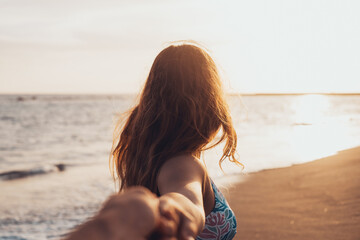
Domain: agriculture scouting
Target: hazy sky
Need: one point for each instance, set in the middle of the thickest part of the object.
(88, 46)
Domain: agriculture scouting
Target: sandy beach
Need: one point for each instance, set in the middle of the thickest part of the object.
(316, 200)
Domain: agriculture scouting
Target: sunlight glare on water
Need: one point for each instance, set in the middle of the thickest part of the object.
(310, 109)
(315, 134)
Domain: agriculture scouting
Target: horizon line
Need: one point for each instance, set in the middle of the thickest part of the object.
(228, 93)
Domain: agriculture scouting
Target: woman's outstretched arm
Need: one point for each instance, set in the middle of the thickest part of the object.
(180, 183)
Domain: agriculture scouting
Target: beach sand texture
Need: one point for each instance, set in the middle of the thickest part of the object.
(316, 200)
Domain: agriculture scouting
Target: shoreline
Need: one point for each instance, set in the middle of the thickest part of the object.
(314, 200)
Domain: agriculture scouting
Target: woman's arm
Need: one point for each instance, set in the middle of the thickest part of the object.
(180, 183)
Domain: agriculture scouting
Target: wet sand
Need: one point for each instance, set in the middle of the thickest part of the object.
(316, 200)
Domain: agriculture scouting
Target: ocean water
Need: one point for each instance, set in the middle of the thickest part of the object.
(54, 150)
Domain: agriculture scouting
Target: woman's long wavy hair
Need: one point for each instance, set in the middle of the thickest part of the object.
(181, 109)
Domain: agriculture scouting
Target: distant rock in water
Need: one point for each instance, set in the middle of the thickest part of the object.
(7, 118)
(16, 174)
(20, 99)
(60, 166)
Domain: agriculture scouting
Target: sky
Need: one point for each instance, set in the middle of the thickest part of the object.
(107, 46)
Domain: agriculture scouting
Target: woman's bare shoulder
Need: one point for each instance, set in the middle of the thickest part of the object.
(185, 159)
(183, 165)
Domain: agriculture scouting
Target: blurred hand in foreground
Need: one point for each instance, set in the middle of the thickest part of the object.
(132, 215)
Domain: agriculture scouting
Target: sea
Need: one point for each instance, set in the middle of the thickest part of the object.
(54, 150)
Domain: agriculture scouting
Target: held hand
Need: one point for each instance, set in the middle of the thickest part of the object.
(132, 215)
(171, 209)
(137, 212)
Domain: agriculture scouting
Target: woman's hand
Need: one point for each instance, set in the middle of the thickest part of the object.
(134, 214)
(174, 207)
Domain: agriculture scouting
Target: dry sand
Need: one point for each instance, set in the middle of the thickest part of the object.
(316, 200)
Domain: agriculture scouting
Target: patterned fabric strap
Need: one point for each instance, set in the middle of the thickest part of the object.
(220, 224)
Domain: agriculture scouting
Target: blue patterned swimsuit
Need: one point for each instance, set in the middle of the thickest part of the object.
(220, 224)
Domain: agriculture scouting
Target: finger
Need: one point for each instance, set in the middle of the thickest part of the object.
(167, 228)
(169, 212)
(169, 220)
(187, 230)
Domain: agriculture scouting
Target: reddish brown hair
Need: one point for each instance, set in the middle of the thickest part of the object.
(180, 110)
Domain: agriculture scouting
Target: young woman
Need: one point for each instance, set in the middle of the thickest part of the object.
(180, 111)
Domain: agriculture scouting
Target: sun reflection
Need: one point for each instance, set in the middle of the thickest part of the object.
(315, 134)
(310, 109)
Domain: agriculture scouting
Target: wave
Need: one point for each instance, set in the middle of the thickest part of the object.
(17, 174)
(64, 97)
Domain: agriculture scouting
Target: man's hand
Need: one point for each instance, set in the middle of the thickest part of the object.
(132, 215)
